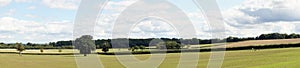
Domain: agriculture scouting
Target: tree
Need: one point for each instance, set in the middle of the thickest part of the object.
(29, 44)
(20, 47)
(293, 35)
(161, 45)
(85, 44)
(142, 47)
(172, 45)
(41, 50)
(52, 43)
(168, 45)
(232, 39)
(134, 48)
(105, 47)
(59, 50)
(273, 36)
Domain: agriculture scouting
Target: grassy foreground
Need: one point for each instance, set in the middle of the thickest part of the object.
(270, 58)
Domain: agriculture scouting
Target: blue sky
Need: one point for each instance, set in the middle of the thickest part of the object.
(43, 21)
(37, 8)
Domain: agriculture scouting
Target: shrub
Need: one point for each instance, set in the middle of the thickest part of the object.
(20, 48)
(42, 50)
(168, 45)
(59, 50)
(142, 47)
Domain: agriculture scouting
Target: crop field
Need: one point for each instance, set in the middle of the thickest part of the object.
(263, 42)
(247, 43)
(269, 58)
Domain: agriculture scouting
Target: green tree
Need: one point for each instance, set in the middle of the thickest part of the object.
(142, 47)
(85, 44)
(41, 50)
(161, 45)
(29, 44)
(105, 47)
(59, 50)
(232, 39)
(172, 45)
(293, 35)
(168, 45)
(20, 47)
(134, 48)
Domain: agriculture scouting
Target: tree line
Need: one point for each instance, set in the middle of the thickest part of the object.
(265, 37)
(194, 41)
(119, 43)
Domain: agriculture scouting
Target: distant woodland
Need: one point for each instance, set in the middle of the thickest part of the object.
(121, 42)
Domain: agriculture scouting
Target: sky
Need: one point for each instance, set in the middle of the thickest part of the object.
(43, 21)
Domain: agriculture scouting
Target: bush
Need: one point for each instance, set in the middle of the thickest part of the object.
(168, 45)
(67, 47)
(42, 50)
(59, 50)
(142, 47)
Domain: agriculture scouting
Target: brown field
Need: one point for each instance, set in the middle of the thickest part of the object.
(262, 42)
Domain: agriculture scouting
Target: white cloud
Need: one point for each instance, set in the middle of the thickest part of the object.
(10, 12)
(62, 4)
(255, 17)
(8, 37)
(16, 30)
(60, 27)
(261, 11)
(250, 19)
(31, 16)
(24, 1)
(118, 6)
(4, 2)
(31, 7)
(152, 28)
(197, 15)
(15, 26)
(146, 28)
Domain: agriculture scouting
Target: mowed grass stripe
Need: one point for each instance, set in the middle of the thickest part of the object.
(269, 58)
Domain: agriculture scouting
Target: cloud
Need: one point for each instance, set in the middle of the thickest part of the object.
(10, 12)
(16, 30)
(4, 2)
(152, 28)
(249, 19)
(31, 16)
(24, 1)
(118, 5)
(254, 17)
(59, 27)
(146, 28)
(31, 7)
(256, 11)
(62, 4)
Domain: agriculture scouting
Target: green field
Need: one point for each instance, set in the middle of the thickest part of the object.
(270, 58)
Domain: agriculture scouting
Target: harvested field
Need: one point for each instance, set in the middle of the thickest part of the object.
(262, 42)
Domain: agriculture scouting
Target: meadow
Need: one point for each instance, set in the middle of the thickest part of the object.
(267, 58)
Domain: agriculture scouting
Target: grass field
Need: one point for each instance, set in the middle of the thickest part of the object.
(270, 58)
(66, 50)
